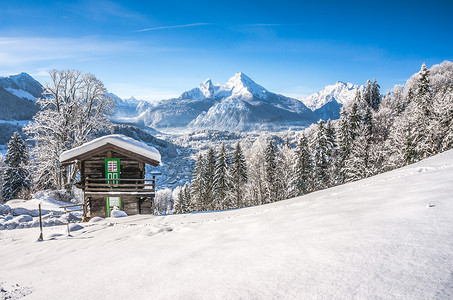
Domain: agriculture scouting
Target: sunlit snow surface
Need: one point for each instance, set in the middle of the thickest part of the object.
(389, 236)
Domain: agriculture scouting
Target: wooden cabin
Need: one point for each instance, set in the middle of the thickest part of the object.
(112, 175)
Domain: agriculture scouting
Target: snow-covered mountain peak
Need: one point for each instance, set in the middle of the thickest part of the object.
(22, 85)
(241, 85)
(339, 92)
(203, 91)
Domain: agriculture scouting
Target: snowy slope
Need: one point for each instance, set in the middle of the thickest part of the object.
(375, 238)
(240, 104)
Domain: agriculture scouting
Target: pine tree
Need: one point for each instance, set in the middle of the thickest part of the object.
(303, 167)
(15, 175)
(356, 165)
(320, 159)
(372, 95)
(197, 189)
(445, 118)
(422, 110)
(285, 172)
(179, 202)
(256, 189)
(237, 177)
(368, 123)
(208, 180)
(221, 180)
(344, 146)
(188, 204)
(354, 122)
(270, 168)
(332, 153)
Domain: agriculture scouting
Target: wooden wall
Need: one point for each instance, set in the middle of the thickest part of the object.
(94, 167)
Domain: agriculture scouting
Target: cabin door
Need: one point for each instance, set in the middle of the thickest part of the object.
(112, 171)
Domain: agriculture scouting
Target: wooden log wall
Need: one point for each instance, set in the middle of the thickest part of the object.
(129, 168)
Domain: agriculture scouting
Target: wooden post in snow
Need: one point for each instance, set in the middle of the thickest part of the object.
(40, 224)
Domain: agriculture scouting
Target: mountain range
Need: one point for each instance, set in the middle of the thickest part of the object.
(238, 105)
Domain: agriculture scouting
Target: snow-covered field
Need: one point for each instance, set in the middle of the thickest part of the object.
(389, 236)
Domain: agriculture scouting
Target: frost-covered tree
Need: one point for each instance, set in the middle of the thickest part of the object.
(197, 188)
(344, 145)
(371, 95)
(285, 172)
(179, 200)
(304, 170)
(320, 157)
(15, 175)
(256, 189)
(163, 202)
(356, 165)
(270, 163)
(188, 204)
(221, 180)
(237, 177)
(75, 107)
(332, 152)
(444, 114)
(208, 180)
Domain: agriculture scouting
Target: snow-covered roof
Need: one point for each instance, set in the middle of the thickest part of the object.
(118, 140)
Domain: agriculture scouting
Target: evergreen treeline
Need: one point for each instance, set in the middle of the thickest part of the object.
(374, 134)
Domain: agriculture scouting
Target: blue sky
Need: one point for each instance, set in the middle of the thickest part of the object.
(158, 49)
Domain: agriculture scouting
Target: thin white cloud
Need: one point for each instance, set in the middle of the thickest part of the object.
(26, 50)
(173, 26)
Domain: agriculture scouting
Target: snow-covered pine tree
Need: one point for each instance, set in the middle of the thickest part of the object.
(237, 174)
(188, 205)
(368, 123)
(344, 145)
(303, 168)
(179, 200)
(320, 158)
(383, 121)
(372, 95)
(256, 186)
(270, 164)
(356, 165)
(285, 172)
(332, 153)
(444, 107)
(221, 180)
(197, 188)
(420, 115)
(15, 175)
(354, 120)
(208, 180)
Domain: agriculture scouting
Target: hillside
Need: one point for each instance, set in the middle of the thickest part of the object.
(387, 236)
(17, 96)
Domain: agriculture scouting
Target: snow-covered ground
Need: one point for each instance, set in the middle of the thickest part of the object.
(389, 236)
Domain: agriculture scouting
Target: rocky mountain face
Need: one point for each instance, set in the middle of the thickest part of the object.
(18, 94)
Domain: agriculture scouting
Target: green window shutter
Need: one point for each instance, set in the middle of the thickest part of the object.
(112, 171)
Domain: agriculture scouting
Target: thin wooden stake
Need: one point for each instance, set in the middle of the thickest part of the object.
(40, 223)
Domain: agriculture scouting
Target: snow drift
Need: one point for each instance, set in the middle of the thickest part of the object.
(374, 238)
